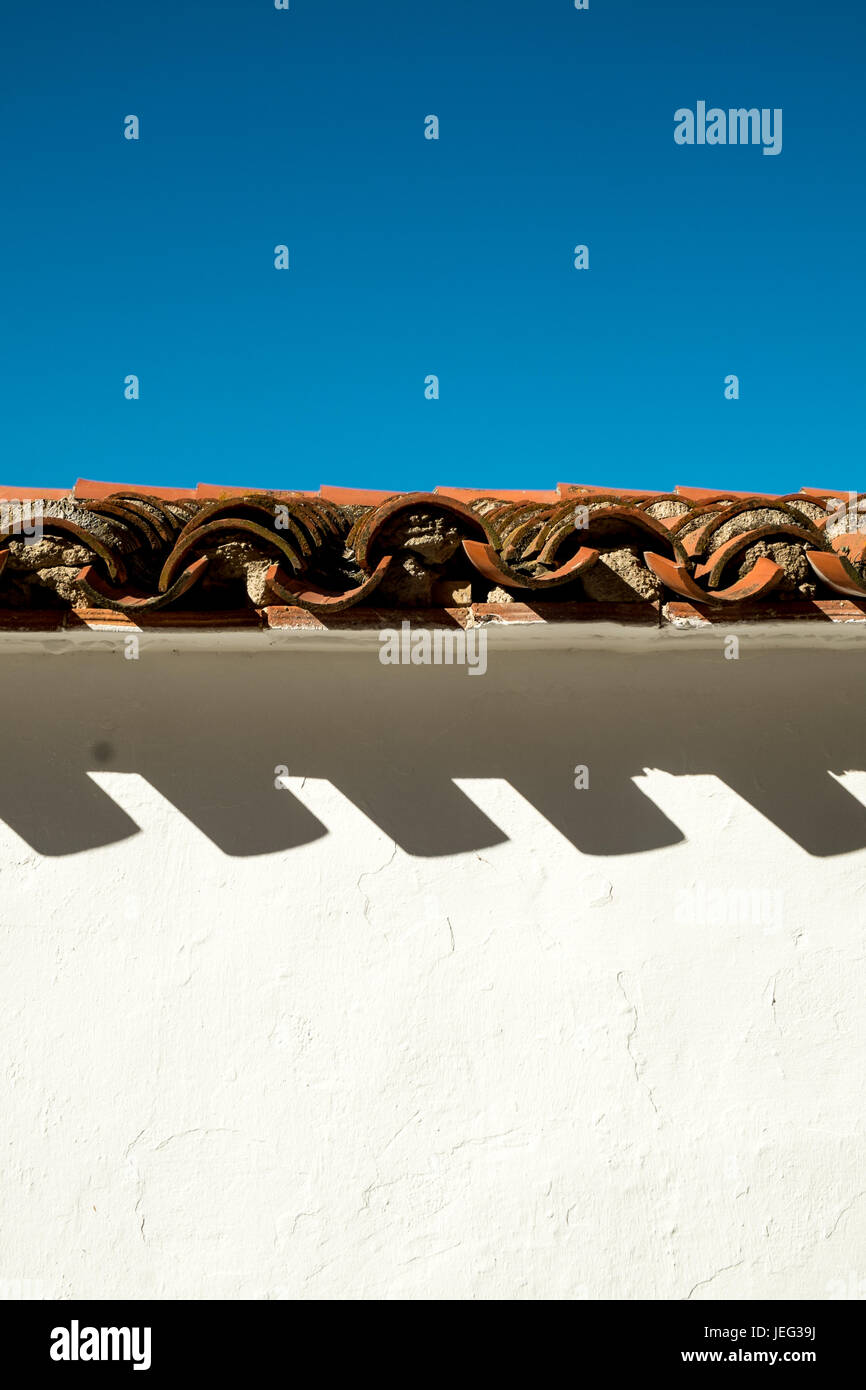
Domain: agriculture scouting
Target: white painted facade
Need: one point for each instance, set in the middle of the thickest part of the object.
(429, 1022)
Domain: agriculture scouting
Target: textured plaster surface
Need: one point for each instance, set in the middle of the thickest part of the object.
(426, 1021)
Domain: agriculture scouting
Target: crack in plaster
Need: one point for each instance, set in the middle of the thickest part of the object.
(701, 1282)
(844, 1212)
(372, 873)
(629, 1040)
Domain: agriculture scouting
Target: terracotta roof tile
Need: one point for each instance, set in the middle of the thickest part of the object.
(704, 494)
(477, 494)
(87, 488)
(353, 496)
(195, 555)
(9, 493)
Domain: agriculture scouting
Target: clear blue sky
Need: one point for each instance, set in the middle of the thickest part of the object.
(411, 257)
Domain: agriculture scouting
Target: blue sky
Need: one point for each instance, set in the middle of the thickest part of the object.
(412, 257)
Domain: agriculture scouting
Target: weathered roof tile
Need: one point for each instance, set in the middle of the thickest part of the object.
(203, 552)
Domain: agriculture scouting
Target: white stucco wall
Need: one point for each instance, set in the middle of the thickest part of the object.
(431, 1022)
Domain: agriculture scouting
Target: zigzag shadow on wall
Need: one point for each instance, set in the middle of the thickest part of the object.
(208, 733)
